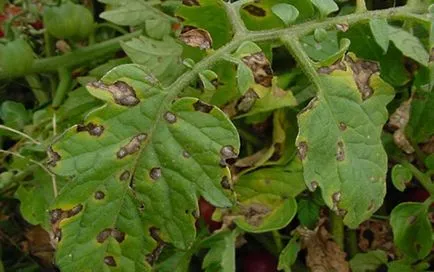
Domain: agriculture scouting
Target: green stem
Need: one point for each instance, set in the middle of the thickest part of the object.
(277, 240)
(63, 87)
(360, 6)
(351, 242)
(37, 89)
(79, 56)
(424, 179)
(337, 228)
(112, 26)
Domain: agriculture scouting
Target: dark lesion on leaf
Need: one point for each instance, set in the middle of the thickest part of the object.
(170, 117)
(125, 175)
(226, 183)
(54, 157)
(247, 101)
(57, 215)
(190, 3)
(255, 10)
(132, 147)
(260, 67)
(155, 173)
(339, 65)
(362, 72)
(313, 185)
(254, 213)
(202, 106)
(119, 236)
(99, 195)
(153, 256)
(110, 261)
(340, 152)
(122, 93)
(196, 37)
(228, 154)
(312, 104)
(92, 129)
(302, 149)
(342, 126)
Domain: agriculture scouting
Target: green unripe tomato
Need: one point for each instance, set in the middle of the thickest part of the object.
(16, 57)
(68, 21)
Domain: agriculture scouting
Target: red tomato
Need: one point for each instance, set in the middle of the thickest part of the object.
(206, 211)
(416, 195)
(260, 261)
(37, 25)
(1, 34)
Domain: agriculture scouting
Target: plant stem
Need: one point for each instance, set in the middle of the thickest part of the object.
(277, 240)
(424, 179)
(337, 229)
(351, 244)
(63, 87)
(19, 133)
(360, 6)
(37, 88)
(79, 56)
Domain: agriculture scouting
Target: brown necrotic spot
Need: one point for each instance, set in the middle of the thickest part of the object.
(132, 147)
(125, 175)
(412, 219)
(109, 260)
(103, 235)
(155, 173)
(340, 152)
(55, 215)
(190, 3)
(118, 235)
(336, 197)
(342, 126)
(228, 152)
(170, 117)
(92, 129)
(201, 106)
(255, 11)
(225, 183)
(197, 38)
(153, 256)
(99, 195)
(123, 94)
(313, 185)
(362, 72)
(302, 150)
(74, 211)
(260, 67)
(223, 163)
(246, 102)
(54, 157)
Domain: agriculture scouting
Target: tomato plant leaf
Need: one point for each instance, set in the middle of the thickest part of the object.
(325, 7)
(137, 175)
(288, 256)
(286, 12)
(369, 261)
(221, 256)
(308, 213)
(409, 45)
(340, 129)
(400, 176)
(380, 31)
(161, 58)
(412, 232)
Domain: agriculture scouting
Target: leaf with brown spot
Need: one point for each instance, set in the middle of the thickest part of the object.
(197, 38)
(136, 175)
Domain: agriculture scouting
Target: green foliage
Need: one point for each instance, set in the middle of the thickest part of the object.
(288, 256)
(16, 57)
(401, 176)
(370, 261)
(14, 114)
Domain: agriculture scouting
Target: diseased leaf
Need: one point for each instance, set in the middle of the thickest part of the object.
(209, 15)
(370, 261)
(221, 256)
(162, 59)
(267, 198)
(409, 45)
(288, 256)
(400, 176)
(380, 31)
(339, 139)
(136, 174)
(412, 232)
(244, 78)
(286, 12)
(325, 7)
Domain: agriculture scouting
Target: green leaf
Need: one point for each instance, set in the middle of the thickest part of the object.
(339, 141)
(245, 78)
(320, 51)
(308, 213)
(157, 28)
(161, 58)
(380, 31)
(14, 115)
(401, 176)
(221, 256)
(131, 12)
(267, 198)
(286, 12)
(370, 261)
(136, 174)
(412, 229)
(421, 123)
(247, 48)
(209, 15)
(6, 178)
(325, 7)
(398, 266)
(320, 34)
(259, 15)
(429, 161)
(288, 256)
(409, 45)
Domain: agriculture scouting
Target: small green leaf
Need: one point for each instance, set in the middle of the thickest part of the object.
(409, 45)
(6, 178)
(401, 176)
(308, 213)
(207, 77)
(380, 31)
(157, 28)
(320, 34)
(429, 161)
(320, 51)
(344, 44)
(370, 261)
(339, 142)
(286, 12)
(161, 58)
(412, 229)
(221, 256)
(14, 115)
(245, 78)
(247, 48)
(288, 256)
(325, 7)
